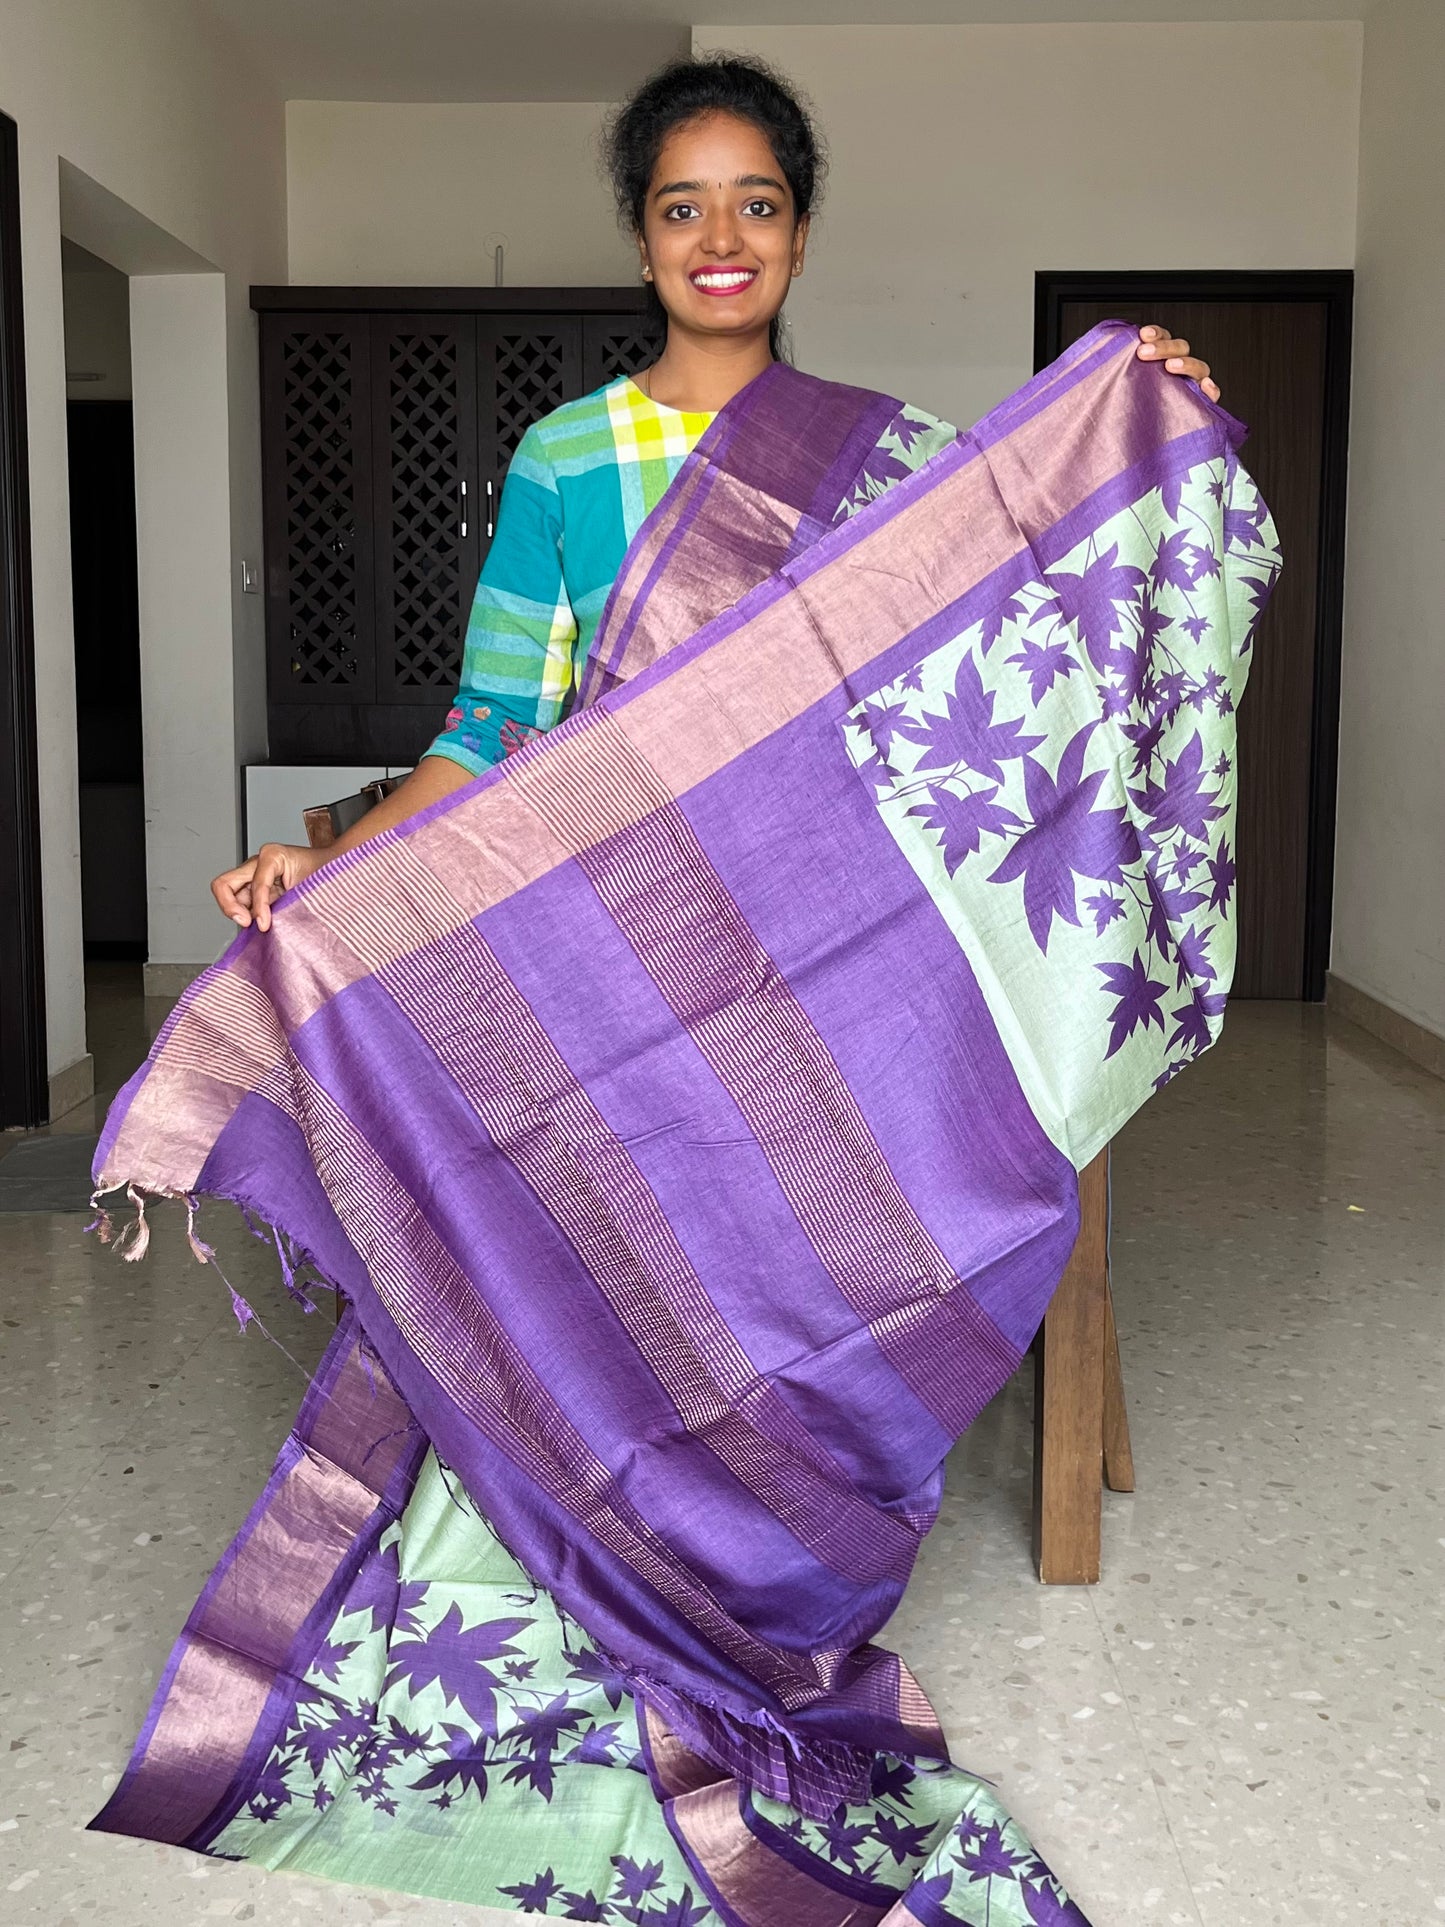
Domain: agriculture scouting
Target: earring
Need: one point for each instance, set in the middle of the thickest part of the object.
(647, 274)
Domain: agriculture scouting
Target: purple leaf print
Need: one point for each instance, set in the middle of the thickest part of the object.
(997, 619)
(1222, 767)
(636, 1881)
(882, 722)
(271, 1793)
(1206, 564)
(520, 1668)
(1136, 999)
(936, 1889)
(912, 679)
(1146, 738)
(1170, 568)
(1195, 627)
(1241, 529)
(1069, 837)
(535, 1893)
(891, 1779)
(1166, 908)
(1192, 951)
(905, 429)
(1221, 875)
(991, 1859)
(584, 1907)
(1179, 800)
(595, 1748)
(349, 1732)
(903, 1841)
(1260, 589)
(588, 1663)
(1106, 909)
(681, 1912)
(321, 1798)
(1169, 692)
(376, 1587)
(455, 1660)
(962, 821)
(1090, 601)
(1043, 664)
(841, 1840)
(1046, 1909)
(884, 469)
(1171, 493)
(1191, 1028)
(330, 1657)
(966, 731)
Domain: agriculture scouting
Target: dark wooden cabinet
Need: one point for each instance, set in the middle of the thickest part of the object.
(389, 418)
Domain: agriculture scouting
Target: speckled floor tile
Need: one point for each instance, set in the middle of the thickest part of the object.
(1240, 1725)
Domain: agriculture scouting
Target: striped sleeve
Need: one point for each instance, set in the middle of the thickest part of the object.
(517, 664)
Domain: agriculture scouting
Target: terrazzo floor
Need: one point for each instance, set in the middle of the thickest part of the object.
(1240, 1726)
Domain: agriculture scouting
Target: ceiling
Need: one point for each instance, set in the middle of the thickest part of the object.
(460, 50)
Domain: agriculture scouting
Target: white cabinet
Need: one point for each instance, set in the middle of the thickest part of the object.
(277, 793)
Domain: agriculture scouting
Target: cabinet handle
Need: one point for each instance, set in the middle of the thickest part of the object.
(489, 509)
(464, 511)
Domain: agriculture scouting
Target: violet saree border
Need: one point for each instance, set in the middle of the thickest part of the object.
(215, 1711)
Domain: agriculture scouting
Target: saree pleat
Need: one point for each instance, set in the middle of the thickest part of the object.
(689, 1111)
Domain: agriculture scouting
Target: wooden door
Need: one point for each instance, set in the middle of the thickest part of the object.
(615, 344)
(1276, 359)
(527, 365)
(425, 527)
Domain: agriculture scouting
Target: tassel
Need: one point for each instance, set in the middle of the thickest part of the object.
(200, 1250)
(291, 1261)
(135, 1240)
(244, 1313)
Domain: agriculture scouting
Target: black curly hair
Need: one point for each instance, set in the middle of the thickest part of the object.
(709, 84)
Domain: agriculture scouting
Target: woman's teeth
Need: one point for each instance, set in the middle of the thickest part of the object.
(726, 278)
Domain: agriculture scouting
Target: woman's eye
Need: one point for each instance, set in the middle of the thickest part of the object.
(760, 207)
(682, 208)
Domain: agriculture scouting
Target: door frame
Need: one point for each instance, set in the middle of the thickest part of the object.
(1334, 289)
(24, 1086)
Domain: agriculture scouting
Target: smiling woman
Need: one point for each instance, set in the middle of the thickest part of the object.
(690, 1107)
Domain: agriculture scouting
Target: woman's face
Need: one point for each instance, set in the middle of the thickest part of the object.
(719, 234)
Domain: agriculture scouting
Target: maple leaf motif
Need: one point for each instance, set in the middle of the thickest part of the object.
(376, 1587)
(903, 1841)
(271, 1793)
(1222, 767)
(1146, 738)
(596, 1746)
(1224, 703)
(1043, 664)
(1106, 909)
(535, 1893)
(990, 1859)
(995, 622)
(321, 1798)
(1166, 908)
(1191, 1028)
(912, 679)
(966, 731)
(962, 821)
(1170, 568)
(349, 1732)
(454, 1659)
(1136, 1000)
(1260, 589)
(584, 1907)
(587, 1663)
(1179, 801)
(681, 1912)
(1047, 1909)
(1069, 838)
(1171, 493)
(1241, 529)
(882, 721)
(1091, 601)
(883, 469)
(891, 1779)
(330, 1657)
(1206, 564)
(1221, 875)
(635, 1879)
(1112, 701)
(1196, 627)
(840, 1839)
(1185, 862)
(906, 429)
(520, 1668)
(403, 1741)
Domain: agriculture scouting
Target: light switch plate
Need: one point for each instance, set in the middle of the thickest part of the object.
(250, 577)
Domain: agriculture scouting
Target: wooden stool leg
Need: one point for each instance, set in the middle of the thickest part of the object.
(1118, 1453)
(1069, 1399)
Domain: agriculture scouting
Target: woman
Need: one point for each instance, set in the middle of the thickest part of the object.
(715, 168)
(712, 1737)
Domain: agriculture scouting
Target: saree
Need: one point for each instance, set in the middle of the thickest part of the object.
(688, 1112)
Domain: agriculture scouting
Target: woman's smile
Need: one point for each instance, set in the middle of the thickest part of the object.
(722, 280)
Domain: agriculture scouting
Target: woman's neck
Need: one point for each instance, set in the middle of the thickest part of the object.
(701, 376)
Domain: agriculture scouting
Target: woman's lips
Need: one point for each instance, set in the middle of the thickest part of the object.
(722, 281)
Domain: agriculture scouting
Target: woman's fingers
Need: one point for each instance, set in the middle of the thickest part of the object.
(269, 881)
(1157, 344)
(232, 891)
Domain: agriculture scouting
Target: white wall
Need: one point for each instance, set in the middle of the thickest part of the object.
(1390, 870)
(97, 327)
(420, 194)
(966, 158)
(162, 116)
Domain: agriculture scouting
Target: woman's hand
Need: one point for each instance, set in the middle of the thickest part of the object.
(1157, 344)
(246, 893)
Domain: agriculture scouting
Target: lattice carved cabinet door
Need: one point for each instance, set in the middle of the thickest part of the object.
(527, 365)
(427, 523)
(614, 345)
(317, 444)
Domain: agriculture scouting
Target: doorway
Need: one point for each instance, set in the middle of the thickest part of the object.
(101, 451)
(1279, 346)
